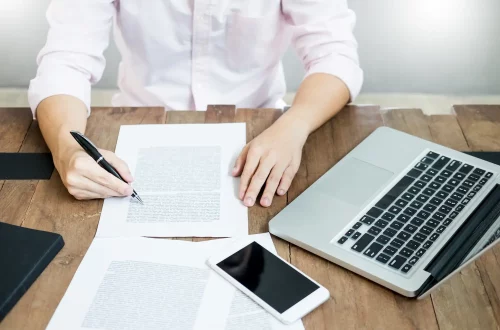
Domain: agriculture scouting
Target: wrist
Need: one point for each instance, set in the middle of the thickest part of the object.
(293, 119)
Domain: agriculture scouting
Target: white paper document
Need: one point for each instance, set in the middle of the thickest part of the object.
(147, 283)
(182, 172)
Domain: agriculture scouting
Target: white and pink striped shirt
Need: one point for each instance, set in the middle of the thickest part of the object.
(185, 54)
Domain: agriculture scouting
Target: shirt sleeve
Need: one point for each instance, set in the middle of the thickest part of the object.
(72, 58)
(322, 34)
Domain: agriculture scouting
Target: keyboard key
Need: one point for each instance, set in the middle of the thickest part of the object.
(397, 262)
(413, 260)
(441, 194)
(434, 185)
(373, 250)
(447, 222)
(436, 201)
(445, 209)
(420, 184)
(453, 182)
(374, 231)
(410, 228)
(413, 245)
(440, 163)
(482, 181)
(419, 237)
(397, 243)
(395, 209)
(457, 196)
(408, 196)
(489, 175)
(451, 202)
(383, 258)
(414, 173)
(432, 154)
(463, 189)
(349, 232)
(420, 252)
(367, 220)
(430, 208)
(466, 201)
(356, 235)
(423, 214)
(440, 179)
(470, 184)
(473, 177)
(432, 223)
(429, 192)
(434, 237)
(406, 268)
(431, 172)
(453, 214)
(446, 173)
(363, 242)
(414, 191)
(421, 166)
(447, 188)
(459, 176)
(417, 221)
(390, 232)
(479, 171)
(466, 168)
(410, 211)
(438, 216)
(395, 192)
(422, 198)
(440, 229)
(381, 223)
(416, 204)
(426, 178)
(390, 250)
(427, 161)
(403, 218)
(342, 240)
(374, 212)
(388, 216)
(401, 203)
(477, 188)
(426, 230)
(396, 225)
(453, 166)
(383, 239)
(405, 252)
(427, 244)
(403, 236)
(357, 225)
(471, 194)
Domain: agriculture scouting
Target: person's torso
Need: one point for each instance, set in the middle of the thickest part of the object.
(185, 54)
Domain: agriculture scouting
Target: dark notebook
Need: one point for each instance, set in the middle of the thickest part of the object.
(26, 166)
(489, 156)
(24, 254)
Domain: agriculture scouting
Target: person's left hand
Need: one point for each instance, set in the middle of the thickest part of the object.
(272, 158)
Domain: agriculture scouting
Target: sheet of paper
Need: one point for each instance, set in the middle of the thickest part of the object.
(182, 172)
(145, 283)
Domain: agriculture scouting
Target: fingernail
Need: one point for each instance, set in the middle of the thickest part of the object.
(281, 192)
(265, 201)
(128, 191)
(235, 170)
(249, 201)
(241, 195)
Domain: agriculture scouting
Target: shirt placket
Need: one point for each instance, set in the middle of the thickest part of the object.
(200, 52)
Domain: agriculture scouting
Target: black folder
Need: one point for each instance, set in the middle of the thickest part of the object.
(24, 254)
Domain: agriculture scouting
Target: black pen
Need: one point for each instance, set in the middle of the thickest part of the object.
(91, 149)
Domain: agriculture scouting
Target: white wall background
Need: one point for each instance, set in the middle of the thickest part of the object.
(406, 46)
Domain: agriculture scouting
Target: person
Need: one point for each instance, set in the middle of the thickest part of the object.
(186, 54)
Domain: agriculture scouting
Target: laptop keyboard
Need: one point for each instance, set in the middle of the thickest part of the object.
(410, 218)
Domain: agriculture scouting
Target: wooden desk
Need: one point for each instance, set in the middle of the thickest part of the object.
(469, 301)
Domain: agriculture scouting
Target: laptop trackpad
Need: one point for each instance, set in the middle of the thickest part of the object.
(354, 181)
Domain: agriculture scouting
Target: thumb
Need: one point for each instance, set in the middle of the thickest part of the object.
(118, 164)
(240, 161)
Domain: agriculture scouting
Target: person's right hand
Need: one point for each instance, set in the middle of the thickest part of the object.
(85, 179)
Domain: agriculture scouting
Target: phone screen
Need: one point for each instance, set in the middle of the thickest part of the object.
(268, 277)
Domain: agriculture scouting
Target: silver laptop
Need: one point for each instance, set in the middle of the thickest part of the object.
(399, 210)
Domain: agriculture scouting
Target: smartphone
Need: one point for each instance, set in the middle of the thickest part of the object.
(278, 287)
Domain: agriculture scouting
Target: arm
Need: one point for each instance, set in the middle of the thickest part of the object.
(59, 95)
(323, 38)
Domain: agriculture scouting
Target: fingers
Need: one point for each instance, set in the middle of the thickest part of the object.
(286, 179)
(118, 164)
(240, 162)
(272, 184)
(258, 179)
(251, 162)
(84, 194)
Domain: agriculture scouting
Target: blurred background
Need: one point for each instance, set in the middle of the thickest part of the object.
(426, 54)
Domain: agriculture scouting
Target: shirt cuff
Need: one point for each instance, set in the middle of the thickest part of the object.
(59, 82)
(343, 68)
